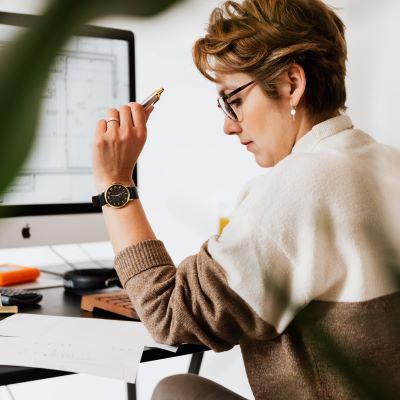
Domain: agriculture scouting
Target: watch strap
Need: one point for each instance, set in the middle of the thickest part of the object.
(100, 199)
(133, 192)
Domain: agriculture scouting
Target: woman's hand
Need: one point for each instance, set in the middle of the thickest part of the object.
(118, 144)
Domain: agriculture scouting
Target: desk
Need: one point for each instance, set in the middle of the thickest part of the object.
(57, 302)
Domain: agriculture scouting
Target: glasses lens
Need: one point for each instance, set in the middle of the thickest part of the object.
(227, 109)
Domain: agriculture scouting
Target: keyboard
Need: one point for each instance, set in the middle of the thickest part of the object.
(18, 297)
(117, 302)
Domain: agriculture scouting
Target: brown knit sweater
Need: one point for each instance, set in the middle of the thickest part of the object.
(330, 350)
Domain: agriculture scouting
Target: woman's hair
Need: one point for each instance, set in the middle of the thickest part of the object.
(263, 38)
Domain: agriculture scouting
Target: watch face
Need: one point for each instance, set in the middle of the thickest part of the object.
(117, 195)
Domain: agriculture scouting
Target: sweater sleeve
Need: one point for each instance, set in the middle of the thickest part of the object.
(192, 303)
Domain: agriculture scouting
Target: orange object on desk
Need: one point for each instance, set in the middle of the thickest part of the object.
(11, 274)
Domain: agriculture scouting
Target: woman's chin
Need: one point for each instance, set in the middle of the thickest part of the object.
(265, 161)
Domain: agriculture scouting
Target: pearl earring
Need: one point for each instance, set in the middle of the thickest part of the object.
(293, 112)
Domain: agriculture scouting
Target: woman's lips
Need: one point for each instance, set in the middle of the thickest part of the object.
(247, 144)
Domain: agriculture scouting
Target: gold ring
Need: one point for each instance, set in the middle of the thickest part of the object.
(112, 119)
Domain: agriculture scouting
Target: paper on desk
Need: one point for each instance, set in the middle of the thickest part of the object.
(88, 345)
(31, 325)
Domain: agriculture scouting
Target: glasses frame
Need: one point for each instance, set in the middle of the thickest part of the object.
(223, 103)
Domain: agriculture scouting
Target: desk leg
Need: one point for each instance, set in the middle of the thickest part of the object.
(195, 363)
(131, 391)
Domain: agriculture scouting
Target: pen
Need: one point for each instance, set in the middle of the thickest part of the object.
(152, 99)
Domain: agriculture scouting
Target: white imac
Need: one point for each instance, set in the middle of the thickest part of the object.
(50, 200)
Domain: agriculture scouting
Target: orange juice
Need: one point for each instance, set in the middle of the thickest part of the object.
(223, 222)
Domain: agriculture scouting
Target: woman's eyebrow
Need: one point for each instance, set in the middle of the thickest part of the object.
(222, 92)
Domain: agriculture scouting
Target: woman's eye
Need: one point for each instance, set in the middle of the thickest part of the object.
(236, 102)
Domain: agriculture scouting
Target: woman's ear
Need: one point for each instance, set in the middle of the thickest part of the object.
(293, 84)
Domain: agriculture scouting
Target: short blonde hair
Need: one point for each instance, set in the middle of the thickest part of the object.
(263, 38)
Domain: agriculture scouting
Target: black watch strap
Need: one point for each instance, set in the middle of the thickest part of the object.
(133, 192)
(100, 200)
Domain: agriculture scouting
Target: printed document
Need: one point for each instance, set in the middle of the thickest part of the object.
(101, 347)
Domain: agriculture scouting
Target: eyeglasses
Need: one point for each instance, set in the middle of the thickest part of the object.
(231, 109)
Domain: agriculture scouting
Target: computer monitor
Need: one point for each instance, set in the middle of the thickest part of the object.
(50, 200)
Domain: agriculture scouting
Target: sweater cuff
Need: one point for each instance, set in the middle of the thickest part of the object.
(140, 257)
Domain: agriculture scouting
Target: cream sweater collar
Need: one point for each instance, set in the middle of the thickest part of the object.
(322, 130)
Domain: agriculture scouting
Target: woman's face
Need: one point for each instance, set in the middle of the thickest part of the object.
(265, 127)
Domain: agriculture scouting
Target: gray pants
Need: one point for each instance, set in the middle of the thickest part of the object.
(191, 387)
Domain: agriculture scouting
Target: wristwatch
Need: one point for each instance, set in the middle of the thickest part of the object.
(116, 195)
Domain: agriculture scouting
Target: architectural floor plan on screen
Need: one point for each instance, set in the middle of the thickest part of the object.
(89, 76)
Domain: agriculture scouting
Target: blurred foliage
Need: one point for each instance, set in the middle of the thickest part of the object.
(25, 65)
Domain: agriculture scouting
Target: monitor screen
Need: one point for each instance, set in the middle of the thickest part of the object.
(93, 72)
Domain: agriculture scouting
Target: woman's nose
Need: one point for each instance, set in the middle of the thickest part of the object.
(231, 127)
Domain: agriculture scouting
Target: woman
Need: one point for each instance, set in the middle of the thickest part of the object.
(302, 276)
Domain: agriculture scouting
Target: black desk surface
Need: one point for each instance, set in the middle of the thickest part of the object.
(60, 303)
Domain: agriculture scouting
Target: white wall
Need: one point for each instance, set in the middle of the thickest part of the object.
(189, 166)
(373, 84)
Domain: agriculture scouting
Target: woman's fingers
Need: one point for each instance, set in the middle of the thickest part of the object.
(148, 112)
(129, 118)
(119, 140)
(126, 117)
(138, 116)
(101, 126)
(113, 118)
